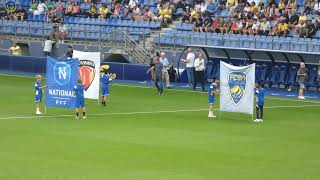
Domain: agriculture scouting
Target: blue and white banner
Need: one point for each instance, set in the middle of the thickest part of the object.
(237, 88)
(61, 78)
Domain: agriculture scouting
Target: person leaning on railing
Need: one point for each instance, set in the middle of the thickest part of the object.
(15, 50)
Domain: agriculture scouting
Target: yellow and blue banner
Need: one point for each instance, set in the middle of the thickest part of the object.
(61, 78)
(237, 88)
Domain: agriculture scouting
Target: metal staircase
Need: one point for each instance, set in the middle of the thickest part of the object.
(122, 43)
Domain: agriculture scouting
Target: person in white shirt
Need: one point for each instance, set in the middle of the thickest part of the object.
(166, 66)
(41, 8)
(316, 7)
(199, 69)
(190, 66)
(47, 46)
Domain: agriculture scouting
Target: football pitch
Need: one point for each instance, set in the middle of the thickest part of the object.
(143, 136)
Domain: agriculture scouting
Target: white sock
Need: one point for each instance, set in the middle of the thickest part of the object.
(38, 110)
(210, 112)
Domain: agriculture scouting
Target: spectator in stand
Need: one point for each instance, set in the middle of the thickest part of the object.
(226, 26)
(69, 8)
(63, 32)
(75, 9)
(118, 11)
(33, 6)
(41, 8)
(300, 28)
(15, 50)
(103, 11)
(265, 27)
(255, 27)
(148, 14)
(303, 17)
(206, 27)
(292, 6)
(92, 11)
(215, 26)
(199, 72)
(47, 46)
(247, 29)
(274, 12)
(2, 11)
(197, 25)
(194, 14)
(310, 29)
(302, 78)
(308, 6)
(231, 4)
(166, 15)
(186, 14)
(282, 29)
(316, 23)
(20, 13)
(282, 6)
(293, 21)
(50, 4)
(316, 7)
(132, 5)
(60, 6)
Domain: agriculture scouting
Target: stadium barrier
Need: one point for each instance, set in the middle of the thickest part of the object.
(33, 65)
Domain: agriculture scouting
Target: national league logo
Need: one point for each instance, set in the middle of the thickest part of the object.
(237, 84)
(62, 73)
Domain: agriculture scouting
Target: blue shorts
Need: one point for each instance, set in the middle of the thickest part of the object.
(211, 101)
(38, 98)
(302, 86)
(105, 92)
(80, 104)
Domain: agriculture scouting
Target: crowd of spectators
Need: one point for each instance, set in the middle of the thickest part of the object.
(254, 17)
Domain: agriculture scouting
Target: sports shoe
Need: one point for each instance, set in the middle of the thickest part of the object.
(38, 113)
(84, 117)
(302, 97)
(211, 116)
(77, 117)
(261, 120)
(256, 120)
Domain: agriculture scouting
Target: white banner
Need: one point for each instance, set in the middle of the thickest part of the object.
(89, 72)
(237, 88)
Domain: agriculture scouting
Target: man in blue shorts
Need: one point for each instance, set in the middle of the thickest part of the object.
(38, 93)
(80, 99)
(213, 89)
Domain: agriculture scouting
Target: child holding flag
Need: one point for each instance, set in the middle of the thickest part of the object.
(259, 91)
(213, 89)
(105, 82)
(38, 93)
(80, 99)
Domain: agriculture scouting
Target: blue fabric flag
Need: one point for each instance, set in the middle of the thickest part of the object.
(61, 78)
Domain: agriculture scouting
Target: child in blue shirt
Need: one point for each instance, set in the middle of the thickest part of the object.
(80, 99)
(259, 91)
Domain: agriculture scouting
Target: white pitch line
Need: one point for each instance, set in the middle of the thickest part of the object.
(104, 114)
(143, 112)
(181, 90)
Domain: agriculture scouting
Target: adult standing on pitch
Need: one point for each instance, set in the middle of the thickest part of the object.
(152, 54)
(158, 69)
(302, 77)
(166, 66)
(190, 66)
(199, 69)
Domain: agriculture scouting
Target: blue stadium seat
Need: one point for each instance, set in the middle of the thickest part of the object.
(292, 76)
(274, 75)
(312, 77)
(263, 75)
(282, 75)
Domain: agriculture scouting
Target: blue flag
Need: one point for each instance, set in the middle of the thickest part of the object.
(61, 78)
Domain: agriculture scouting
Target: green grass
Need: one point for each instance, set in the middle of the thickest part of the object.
(154, 146)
